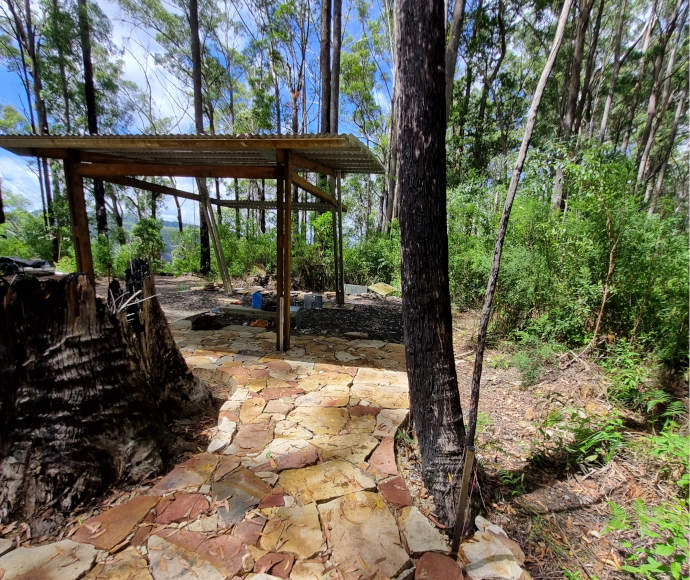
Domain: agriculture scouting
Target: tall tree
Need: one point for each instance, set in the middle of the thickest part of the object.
(337, 35)
(325, 65)
(454, 36)
(205, 258)
(421, 122)
(91, 111)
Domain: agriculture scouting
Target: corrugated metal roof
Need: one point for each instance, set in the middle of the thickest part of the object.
(343, 153)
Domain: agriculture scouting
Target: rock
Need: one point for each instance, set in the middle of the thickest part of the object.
(360, 424)
(171, 562)
(252, 437)
(311, 570)
(124, 565)
(354, 447)
(188, 476)
(291, 430)
(261, 576)
(388, 421)
(278, 564)
(320, 421)
(492, 555)
(275, 498)
(419, 533)
(182, 506)
(344, 356)
(278, 407)
(251, 409)
(294, 529)
(241, 490)
(222, 438)
(281, 454)
(395, 492)
(64, 560)
(362, 535)
(377, 344)
(384, 396)
(325, 481)
(382, 289)
(432, 566)
(318, 380)
(373, 376)
(107, 530)
(383, 459)
(226, 465)
(207, 524)
(5, 546)
(328, 396)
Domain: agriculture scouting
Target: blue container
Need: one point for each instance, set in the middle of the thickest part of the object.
(257, 300)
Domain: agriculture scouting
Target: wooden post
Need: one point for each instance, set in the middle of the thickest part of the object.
(78, 218)
(336, 246)
(217, 247)
(341, 272)
(287, 249)
(280, 263)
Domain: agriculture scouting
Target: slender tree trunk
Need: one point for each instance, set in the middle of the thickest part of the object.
(205, 260)
(456, 23)
(325, 65)
(91, 111)
(667, 153)
(585, 91)
(262, 212)
(614, 74)
(640, 77)
(334, 108)
(2, 207)
(180, 226)
(421, 120)
(503, 226)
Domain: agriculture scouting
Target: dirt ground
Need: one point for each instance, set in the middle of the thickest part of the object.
(555, 512)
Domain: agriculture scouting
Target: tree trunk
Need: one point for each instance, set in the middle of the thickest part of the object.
(91, 111)
(180, 226)
(204, 242)
(421, 121)
(456, 24)
(2, 207)
(617, 62)
(334, 108)
(325, 65)
(585, 91)
(86, 396)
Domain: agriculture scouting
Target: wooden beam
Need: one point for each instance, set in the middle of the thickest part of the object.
(287, 266)
(105, 170)
(311, 165)
(78, 218)
(309, 188)
(341, 268)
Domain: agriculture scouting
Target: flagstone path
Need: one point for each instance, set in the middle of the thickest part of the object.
(299, 480)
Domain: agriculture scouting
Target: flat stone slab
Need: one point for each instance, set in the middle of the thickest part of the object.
(241, 490)
(250, 438)
(107, 530)
(325, 481)
(276, 563)
(372, 376)
(171, 562)
(295, 530)
(419, 533)
(384, 396)
(433, 566)
(328, 396)
(188, 476)
(363, 536)
(354, 447)
(5, 546)
(383, 459)
(182, 506)
(388, 421)
(126, 565)
(281, 454)
(395, 492)
(64, 560)
(319, 420)
(317, 380)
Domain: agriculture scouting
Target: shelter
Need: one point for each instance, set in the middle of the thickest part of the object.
(123, 159)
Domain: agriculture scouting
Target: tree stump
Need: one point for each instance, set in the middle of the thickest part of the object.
(86, 395)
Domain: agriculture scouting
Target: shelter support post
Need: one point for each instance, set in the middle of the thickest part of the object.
(287, 260)
(217, 247)
(341, 270)
(78, 218)
(280, 263)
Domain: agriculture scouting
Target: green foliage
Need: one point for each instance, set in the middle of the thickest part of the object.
(531, 356)
(515, 480)
(147, 241)
(102, 255)
(595, 442)
(186, 252)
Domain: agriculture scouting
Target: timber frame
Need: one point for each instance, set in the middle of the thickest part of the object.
(123, 159)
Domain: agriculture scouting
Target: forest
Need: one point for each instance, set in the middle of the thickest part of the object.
(595, 260)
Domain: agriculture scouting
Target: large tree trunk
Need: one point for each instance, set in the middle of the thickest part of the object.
(91, 113)
(421, 121)
(204, 242)
(325, 65)
(86, 397)
(334, 108)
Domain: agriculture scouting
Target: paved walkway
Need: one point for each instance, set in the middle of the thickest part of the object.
(299, 480)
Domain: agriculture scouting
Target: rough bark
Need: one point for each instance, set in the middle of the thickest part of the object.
(421, 121)
(91, 111)
(204, 242)
(86, 396)
(456, 24)
(325, 65)
(334, 108)
(617, 62)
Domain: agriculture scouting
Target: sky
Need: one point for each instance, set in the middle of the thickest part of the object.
(137, 48)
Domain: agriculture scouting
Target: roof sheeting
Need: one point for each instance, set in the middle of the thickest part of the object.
(343, 153)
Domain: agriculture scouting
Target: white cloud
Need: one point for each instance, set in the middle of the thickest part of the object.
(19, 177)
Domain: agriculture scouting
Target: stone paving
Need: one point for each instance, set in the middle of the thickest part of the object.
(299, 480)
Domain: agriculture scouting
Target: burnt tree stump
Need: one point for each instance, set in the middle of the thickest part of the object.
(87, 394)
